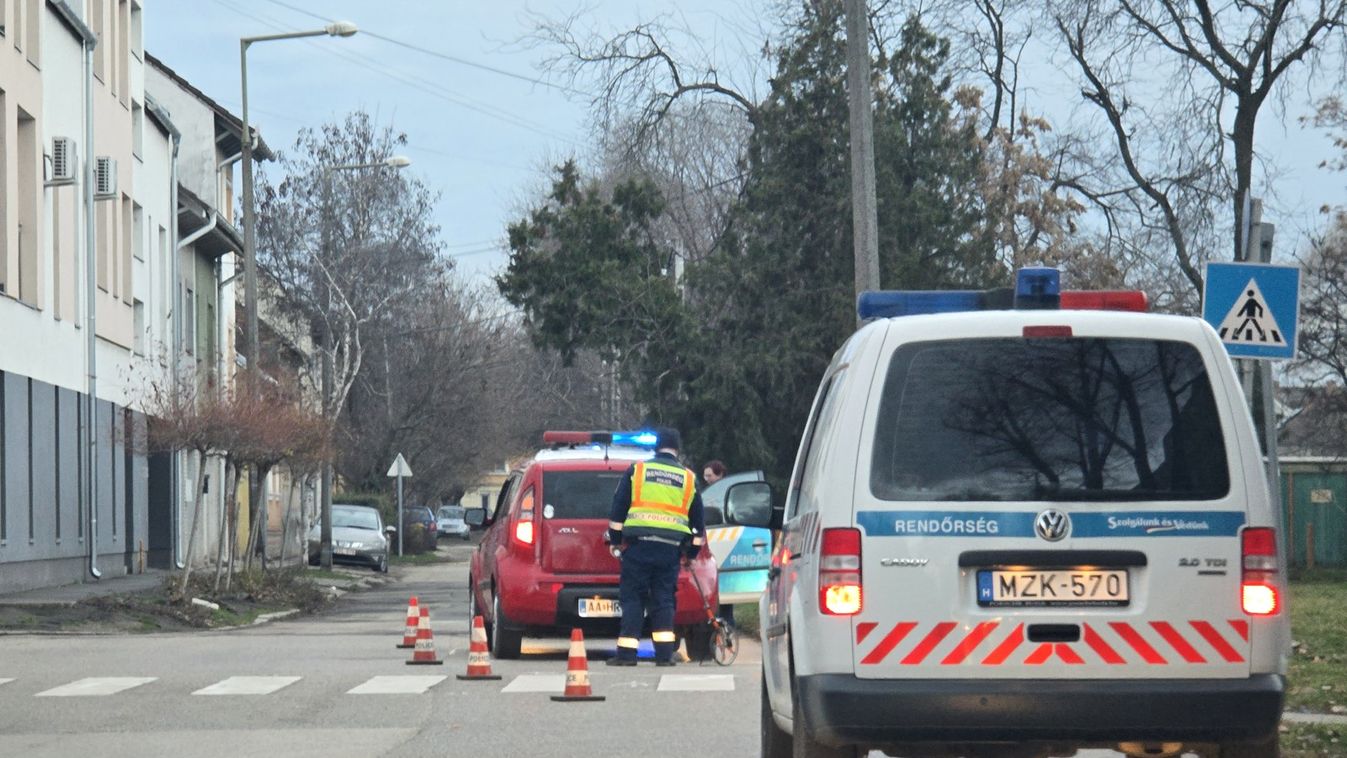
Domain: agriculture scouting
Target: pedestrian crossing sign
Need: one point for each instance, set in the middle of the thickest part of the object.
(1254, 307)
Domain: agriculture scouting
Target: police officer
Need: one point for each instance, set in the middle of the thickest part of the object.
(657, 519)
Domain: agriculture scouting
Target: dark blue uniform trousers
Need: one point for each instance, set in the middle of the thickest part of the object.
(649, 580)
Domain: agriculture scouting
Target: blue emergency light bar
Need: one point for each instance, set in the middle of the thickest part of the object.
(644, 439)
(635, 439)
(1036, 288)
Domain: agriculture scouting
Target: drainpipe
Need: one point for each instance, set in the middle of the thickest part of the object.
(91, 305)
(175, 471)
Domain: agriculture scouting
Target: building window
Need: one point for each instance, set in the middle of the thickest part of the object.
(4, 191)
(123, 50)
(32, 29)
(137, 41)
(96, 14)
(137, 130)
(138, 340)
(101, 232)
(138, 231)
(4, 431)
(189, 322)
(124, 254)
(27, 193)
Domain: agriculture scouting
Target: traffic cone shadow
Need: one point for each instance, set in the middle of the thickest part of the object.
(479, 659)
(424, 654)
(577, 673)
(409, 630)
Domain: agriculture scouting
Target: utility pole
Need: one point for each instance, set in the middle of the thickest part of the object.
(864, 214)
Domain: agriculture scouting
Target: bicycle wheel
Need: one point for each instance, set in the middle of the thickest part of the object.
(724, 645)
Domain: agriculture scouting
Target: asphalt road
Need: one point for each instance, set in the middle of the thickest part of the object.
(286, 688)
(298, 701)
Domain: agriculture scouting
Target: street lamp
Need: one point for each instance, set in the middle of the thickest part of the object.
(250, 346)
(325, 338)
(335, 29)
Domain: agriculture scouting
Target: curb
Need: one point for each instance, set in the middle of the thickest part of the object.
(1297, 717)
(266, 618)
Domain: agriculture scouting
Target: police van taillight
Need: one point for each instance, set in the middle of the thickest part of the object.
(839, 572)
(1259, 594)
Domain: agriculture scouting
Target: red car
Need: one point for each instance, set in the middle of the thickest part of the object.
(543, 568)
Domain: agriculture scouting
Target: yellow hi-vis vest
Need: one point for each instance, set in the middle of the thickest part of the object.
(661, 495)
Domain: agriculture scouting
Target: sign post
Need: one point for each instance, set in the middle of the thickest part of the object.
(1255, 308)
(398, 470)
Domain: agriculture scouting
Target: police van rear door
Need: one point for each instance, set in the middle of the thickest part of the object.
(1050, 504)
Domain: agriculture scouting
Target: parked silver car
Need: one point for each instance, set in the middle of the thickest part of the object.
(450, 523)
(358, 537)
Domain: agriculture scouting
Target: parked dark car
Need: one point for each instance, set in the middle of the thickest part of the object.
(418, 519)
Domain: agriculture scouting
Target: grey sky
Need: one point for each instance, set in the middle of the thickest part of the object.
(484, 140)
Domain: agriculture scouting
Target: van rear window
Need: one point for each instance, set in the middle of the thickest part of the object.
(1048, 419)
(580, 494)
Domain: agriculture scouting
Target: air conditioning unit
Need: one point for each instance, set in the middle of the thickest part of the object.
(62, 159)
(105, 176)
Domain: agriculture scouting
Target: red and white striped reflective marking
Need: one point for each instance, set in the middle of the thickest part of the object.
(993, 643)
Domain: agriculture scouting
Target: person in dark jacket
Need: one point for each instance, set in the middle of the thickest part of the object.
(657, 521)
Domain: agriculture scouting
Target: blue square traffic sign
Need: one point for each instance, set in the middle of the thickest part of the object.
(1254, 307)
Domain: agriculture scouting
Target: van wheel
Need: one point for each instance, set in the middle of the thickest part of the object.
(1266, 748)
(805, 746)
(775, 741)
(505, 643)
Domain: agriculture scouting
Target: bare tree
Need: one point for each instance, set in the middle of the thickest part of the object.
(1186, 153)
(184, 419)
(344, 248)
(637, 75)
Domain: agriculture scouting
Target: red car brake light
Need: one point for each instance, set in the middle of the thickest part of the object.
(523, 525)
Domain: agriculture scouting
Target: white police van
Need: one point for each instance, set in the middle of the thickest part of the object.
(1023, 531)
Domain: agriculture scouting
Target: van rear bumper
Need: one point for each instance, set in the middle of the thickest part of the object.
(842, 709)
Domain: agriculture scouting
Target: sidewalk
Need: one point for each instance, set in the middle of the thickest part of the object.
(71, 594)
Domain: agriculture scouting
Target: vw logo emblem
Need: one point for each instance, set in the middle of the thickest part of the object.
(1052, 525)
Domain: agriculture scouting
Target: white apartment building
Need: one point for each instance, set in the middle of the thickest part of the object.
(145, 199)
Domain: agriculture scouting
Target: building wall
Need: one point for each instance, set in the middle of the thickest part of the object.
(45, 520)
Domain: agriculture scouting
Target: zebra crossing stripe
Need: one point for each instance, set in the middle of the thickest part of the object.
(396, 685)
(537, 683)
(97, 686)
(696, 683)
(248, 685)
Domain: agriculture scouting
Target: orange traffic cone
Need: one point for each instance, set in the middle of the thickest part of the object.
(409, 631)
(577, 673)
(424, 654)
(479, 660)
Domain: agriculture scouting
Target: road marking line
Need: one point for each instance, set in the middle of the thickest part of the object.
(248, 685)
(5, 681)
(537, 683)
(97, 686)
(696, 683)
(396, 685)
